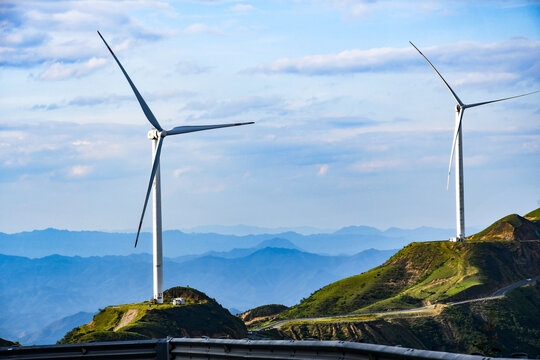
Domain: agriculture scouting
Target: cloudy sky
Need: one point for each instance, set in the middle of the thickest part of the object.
(352, 126)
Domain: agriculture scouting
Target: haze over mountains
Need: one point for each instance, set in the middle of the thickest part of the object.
(241, 230)
(52, 274)
(44, 297)
(348, 240)
(41, 291)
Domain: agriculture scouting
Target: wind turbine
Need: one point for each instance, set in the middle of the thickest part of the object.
(157, 135)
(460, 109)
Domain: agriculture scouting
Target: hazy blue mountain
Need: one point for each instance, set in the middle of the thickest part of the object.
(271, 275)
(39, 243)
(235, 311)
(241, 230)
(235, 253)
(349, 240)
(423, 233)
(37, 292)
(53, 332)
(358, 230)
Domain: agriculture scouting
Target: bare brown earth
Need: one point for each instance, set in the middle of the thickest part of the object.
(127, 318)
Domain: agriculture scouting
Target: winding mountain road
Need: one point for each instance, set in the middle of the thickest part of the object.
(499, 293)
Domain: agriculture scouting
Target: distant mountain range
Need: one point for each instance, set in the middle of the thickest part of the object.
(53, 332)
(36, 293)
(242, 230)
(459, 280)
(346, 241)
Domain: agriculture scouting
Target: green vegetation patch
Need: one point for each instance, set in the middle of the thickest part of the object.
(533, 215)
(262, 316)
(201, 316)
(511, 227)
(495, 328)
(192, 296)
(426, 273)
(263, 311)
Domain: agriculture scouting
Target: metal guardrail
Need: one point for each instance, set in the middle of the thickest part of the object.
(210, 349)
(138, 349)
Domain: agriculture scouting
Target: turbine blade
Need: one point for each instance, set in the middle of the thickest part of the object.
(492, 101)
(155, 165)
(456, 134)
(187, 129)
(149, 115)
(444, 81)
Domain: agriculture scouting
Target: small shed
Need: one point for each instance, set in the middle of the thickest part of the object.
(179, 301)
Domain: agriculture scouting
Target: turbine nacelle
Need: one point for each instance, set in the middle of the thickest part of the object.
(460, 108)
(156, 134)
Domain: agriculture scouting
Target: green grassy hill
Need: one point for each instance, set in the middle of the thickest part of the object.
(432, 272)
(512, 227)
(497, 327)
(262, 314)
(200, 316)
(533, 215)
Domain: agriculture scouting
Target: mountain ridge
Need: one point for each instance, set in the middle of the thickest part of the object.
(40, 243)
(62, 286)
(432, 272)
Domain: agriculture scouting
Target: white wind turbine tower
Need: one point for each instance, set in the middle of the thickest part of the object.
(157, 135)
(460, 109)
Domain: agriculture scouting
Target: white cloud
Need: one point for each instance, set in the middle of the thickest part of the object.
(346, 61)
(323, 169)
(478, 78)
(232, 107)
(35, 32)
(190, 68)
(361, 9)
(80, 170)
(180, 171)
(203, 29)
(376, 166)
(81, 143)
(242, 8)
(476, 160)
(210, 189)
(504, 61)
(61, 71)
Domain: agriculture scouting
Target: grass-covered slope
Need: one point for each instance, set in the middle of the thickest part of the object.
(262, 313)
(497, 327)
(431, 272)
(512, 227)
(533, 215)
(200, 316)
(426, 273)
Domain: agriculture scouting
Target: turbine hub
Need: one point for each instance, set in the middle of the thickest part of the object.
(153, 134)
(163, 133)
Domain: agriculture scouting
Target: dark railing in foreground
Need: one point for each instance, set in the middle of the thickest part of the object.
(183, 348)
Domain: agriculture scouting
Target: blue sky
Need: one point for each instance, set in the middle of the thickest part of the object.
(352, 126)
